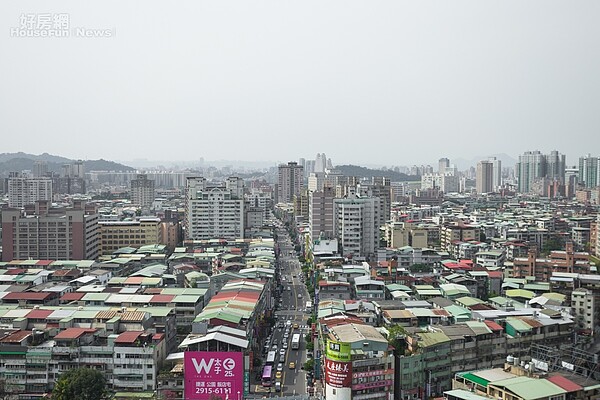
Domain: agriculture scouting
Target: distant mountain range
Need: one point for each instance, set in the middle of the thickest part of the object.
(17, 162)
(364, 172)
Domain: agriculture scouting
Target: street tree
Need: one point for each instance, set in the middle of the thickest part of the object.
(81, 384)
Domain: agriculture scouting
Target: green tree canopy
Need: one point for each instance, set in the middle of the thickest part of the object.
(396, 338)
(81, 384)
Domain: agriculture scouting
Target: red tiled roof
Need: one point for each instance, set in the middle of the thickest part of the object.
(27, 296)
(495, 274)
(128, 337)
(493, 325)
(73, 333)
(39, 314)
(564, 383)
(15, 337)
(158, 336)
(74, 296)
(162, 298)
(44, 262)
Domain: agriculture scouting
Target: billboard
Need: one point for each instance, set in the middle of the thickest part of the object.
(210, 375)
(338, 373)
(338, 351)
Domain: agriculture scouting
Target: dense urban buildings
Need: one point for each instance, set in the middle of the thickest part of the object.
(325, 284)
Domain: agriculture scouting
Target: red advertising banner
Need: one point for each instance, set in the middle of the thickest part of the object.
(378, 372)
(338, 373)
(370, 385)
(212, 375)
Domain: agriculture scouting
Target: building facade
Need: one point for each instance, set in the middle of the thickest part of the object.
(321, 213)
(484, 182)
(214, 211)
(142, 191)
(355, 226)
(136, 233)
(290, 182)
(43, 232)
(23, 190)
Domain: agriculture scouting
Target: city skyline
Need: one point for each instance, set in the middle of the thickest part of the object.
(348, 79)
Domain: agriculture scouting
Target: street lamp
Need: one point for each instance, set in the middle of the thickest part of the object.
(238, 395)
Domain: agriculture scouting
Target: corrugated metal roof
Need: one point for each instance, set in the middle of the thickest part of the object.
(529, 388)
(133, 316)
(162, 298)
(518, 324)
(95, 296)
(73, 296)
(128, 337)
(73, 333)
(565, 383)
(480, 328)
(493, 325)
(432, 338)
(521, 293)
(106, 315)
(493, 375)
(15, 337)
(476, 379)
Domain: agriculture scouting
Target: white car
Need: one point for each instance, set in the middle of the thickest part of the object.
(280, 367)
(282, 352)
(285, 345)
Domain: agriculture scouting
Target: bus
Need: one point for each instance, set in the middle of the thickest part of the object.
(271, 357)
(308, 307)
(295, 341)
(267, 376)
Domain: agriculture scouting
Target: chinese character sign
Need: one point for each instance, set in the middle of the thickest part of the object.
(338, 351)
(209, 375)
(338, 374)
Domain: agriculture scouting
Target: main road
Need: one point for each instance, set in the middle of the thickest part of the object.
(291, 308)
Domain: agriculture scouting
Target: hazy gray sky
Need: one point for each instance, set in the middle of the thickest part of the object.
(369, 82)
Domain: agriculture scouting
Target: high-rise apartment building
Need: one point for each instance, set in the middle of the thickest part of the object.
(443, 163)
(214, 211)
(555, 166)
(484, 182)
(291, 181)
(24, 190)
(381, 188)
(497, 173)
(320, 162)
(588, 171)
(142, 191)
(40, 169)
(356, 225)
(321, 213)
(71, 179)
(534, 166)
(50, 233)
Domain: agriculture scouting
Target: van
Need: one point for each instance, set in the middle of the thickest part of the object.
(278, 386)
